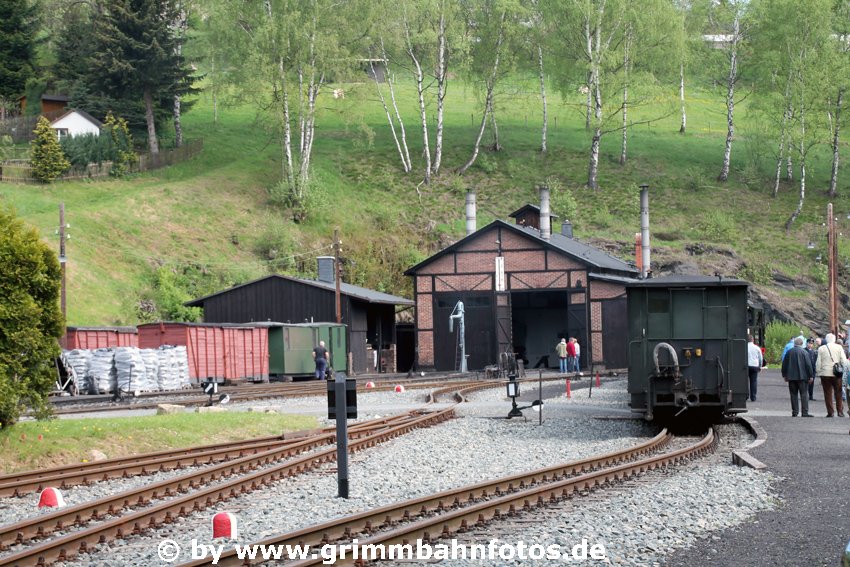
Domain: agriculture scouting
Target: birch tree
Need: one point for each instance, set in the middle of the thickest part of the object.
(288, 50)
(731, 29)
(623, 37)
(840, 48)
(540, 28)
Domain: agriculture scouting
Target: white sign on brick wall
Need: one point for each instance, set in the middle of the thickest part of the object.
(500, 273)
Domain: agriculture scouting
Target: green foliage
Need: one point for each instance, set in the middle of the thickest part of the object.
(757, 273)
(717, 226)
(48, 160)
(114, 144)
(819, 273)
(164, 300)
(135, 57)
(34, 88)
(122, 154)
(562, 201)
(18, 32)
(85, 149)
(6, 147)
(777, 336)
(30, 320)
(277, 245)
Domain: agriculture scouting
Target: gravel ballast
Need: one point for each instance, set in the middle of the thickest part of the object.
(638, 523)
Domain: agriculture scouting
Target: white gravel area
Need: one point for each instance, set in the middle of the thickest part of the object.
(478, 449)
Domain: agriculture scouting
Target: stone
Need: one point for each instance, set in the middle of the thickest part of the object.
(96, 455)
(169, 409)
(210, 409)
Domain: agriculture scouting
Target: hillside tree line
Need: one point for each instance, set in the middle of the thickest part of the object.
(620, 56)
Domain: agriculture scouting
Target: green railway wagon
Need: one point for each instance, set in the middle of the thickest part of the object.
(291, 347)
(688, 346)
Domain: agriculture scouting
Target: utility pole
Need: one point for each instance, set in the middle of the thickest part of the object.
(337, 275)
(63, 263)
(832, 255)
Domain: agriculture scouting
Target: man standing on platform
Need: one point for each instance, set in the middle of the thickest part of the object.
(755, 361)
(797, 370)
(320, 355)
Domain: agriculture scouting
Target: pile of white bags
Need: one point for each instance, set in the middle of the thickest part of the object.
(78, 359)
(173, 367)
(102, 378)
(129, 369)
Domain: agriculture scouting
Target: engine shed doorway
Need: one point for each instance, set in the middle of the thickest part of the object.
(541, 318)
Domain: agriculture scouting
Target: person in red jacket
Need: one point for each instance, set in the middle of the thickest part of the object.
(572, 365)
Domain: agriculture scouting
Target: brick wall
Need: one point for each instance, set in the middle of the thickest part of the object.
(536, 280)
(524, 261)
(426, 348)
(605, 290)
(477, 282)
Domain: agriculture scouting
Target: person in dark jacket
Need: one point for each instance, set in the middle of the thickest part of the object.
(813, 354)
(798, 371)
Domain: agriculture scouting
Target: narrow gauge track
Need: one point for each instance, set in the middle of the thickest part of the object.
(67, 546)
(81, 405)
(18, 484)
(459, 510)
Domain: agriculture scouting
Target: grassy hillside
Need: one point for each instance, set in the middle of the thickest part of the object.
(211, 222)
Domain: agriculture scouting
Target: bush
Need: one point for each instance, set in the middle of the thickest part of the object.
(48, 160)
(777, 336)
(30, 320)
(164, 299)
(563, 202)
(756, 273)
(717, 226)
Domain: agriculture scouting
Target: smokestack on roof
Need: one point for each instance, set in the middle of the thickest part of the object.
(644, 231)
(567, 229)
(545, 221)
(471, 222)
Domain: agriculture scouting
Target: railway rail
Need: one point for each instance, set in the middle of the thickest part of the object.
(202, 496)
(82, 404)
(454, 511)
(242, 473)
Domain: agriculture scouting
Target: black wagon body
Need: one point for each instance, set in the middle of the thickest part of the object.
(688, 347)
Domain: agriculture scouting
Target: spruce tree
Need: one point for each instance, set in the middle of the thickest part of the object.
(46, 155)
(136, 56)
(18, 24)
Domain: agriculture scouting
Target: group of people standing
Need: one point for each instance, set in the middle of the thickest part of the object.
(569, 355)
(826, 360)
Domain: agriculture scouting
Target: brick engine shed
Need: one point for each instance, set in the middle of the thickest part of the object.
(523, 289)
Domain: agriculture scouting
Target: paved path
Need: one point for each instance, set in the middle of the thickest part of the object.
(812, 526)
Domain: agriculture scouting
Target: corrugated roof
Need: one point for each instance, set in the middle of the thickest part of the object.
(569, 246)
(362, 293)
(687, 281)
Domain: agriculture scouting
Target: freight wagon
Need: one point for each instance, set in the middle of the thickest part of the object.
(215, 350)
(100, 337)
(291, 347)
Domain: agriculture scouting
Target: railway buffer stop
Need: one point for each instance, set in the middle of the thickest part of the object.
(342, 406)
